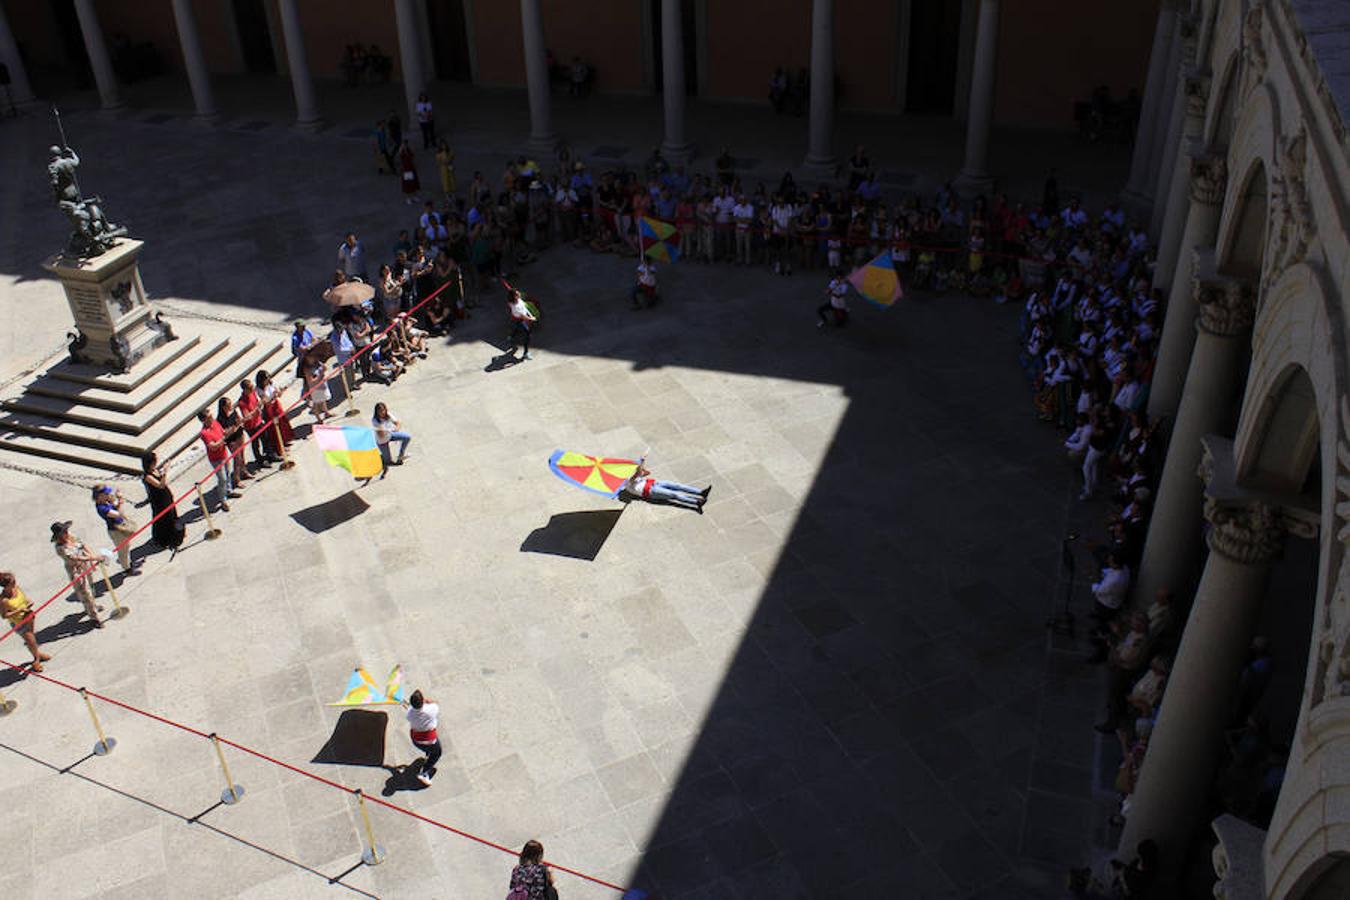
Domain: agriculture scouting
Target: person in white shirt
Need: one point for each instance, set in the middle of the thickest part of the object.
(644, 487)
(352, 258)
(781, 214)
(1110, 590)
(644, 292)
(426, 121)
(388, 429)
(423, 717)
(723, 204)
(837, 304)
(522, 322)
(1077, 443)
(744, 213)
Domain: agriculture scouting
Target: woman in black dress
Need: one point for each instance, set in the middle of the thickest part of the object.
(166, 529)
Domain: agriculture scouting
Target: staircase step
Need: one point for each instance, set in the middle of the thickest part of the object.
(82, 394)
(38, 446)
(126, 382)
(162, 420)
(143, 419)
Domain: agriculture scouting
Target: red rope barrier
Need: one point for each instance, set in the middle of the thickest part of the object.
(328, 782)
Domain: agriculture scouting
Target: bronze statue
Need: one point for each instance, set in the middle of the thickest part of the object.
(93, 233)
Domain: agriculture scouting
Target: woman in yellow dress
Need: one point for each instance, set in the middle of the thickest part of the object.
(18, 612)
(445, 161)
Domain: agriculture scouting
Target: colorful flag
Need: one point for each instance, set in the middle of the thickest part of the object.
(362, 691)
(598, 474)
(878, 281)
(350, 447)
(659, 239)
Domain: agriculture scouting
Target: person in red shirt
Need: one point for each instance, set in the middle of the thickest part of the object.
(644, 487)
(251, 407)
(218, 454)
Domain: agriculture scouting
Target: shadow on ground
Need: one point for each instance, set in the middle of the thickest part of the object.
(357, 739)
(331, 513)
(576, 535)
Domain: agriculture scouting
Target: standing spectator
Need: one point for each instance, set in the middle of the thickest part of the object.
(1110, 589)
(837, 302)
(858, 166)
(744, 214)
(18, 612)
(232, 423)
(578, 75)
(165, 528)
(394, 126)
(218, 455)
(121, 529)
(706, 213)
(384, 150)
(423, 715)
(1099, 445)
(445, 165)
(301, 340)
(277, 420)
(723, 205)
(531, 879)
(388, 428)
(78, 560)
(352, 258)
(426, 121)
(316, 389)
(407, 168)
(251, 407)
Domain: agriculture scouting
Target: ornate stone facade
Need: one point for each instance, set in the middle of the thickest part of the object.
(1227, 306)
(1245, 532)
(1292, 227)
(1209, 179)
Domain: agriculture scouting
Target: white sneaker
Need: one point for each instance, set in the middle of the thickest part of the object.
(424, 778)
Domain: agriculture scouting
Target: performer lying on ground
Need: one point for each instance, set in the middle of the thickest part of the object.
(643, 487)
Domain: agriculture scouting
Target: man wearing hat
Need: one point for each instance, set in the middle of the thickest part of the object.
(77, 558)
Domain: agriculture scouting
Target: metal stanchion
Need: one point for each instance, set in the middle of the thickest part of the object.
(119, 611)
(7, 705)
(233, 793)
(105, 744)
(347, 389)
(286, 461)
(373, 854)
(212, 532)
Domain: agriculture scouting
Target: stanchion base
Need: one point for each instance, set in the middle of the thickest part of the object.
(120, 612)
(373, 856)
(105, 746)
(212, 534)
(232, 794)
(288, 464)
(8, 707)
(352, 412)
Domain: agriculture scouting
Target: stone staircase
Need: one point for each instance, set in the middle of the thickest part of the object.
(88, 417)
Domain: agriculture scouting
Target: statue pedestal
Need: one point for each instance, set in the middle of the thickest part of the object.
(115, 323)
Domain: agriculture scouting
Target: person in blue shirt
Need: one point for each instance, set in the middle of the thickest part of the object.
(301, 340)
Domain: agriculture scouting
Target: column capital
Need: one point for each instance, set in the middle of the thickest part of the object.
(1227, 305)
(1251, 533)
(1209, 176)
(1195, 85)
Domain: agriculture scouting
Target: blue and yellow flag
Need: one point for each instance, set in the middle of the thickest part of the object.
(878, 281)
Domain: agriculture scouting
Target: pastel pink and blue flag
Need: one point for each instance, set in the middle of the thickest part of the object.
(350, 447)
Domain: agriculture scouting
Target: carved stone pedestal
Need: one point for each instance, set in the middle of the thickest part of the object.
(115, 325)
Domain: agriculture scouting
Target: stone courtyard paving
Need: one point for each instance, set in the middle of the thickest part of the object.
(836, 680)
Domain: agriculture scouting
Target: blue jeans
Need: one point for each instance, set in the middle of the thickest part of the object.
(403, 438)
(675, 492)
(223, 482)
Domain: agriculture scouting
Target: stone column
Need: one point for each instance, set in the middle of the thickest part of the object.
(1208, 179)
(410, 57)
(1227, 307)
(1168, 146)
(543, 141)
(1195, 93)
(193, 59)
(974, 177)
(297, 60)
(820, 158)
(1135, 195)
(674, 148)
(1179, 766)
(99, 60)
(20, 91)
